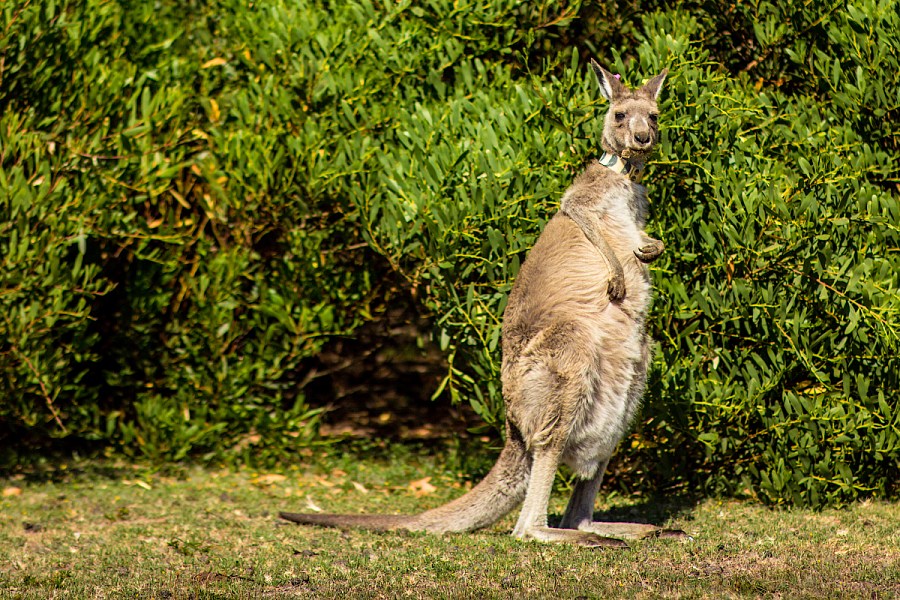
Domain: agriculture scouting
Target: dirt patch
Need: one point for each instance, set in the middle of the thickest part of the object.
(379, 384)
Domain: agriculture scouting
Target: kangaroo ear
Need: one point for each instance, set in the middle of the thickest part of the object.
(653, 87)
(610, 87)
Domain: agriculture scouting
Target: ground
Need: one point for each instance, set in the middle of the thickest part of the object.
(110, 529)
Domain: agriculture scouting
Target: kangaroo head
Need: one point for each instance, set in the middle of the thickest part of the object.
(630, 129)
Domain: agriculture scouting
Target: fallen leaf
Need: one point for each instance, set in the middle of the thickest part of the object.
(360, 487)
(312, 505)
(421, 487)
(425, 431)
(12, 491)
(136, 482)
(215, 62)
(181, 201)
(269, 479)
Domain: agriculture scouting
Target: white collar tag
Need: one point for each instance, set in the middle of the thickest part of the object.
(615, 163)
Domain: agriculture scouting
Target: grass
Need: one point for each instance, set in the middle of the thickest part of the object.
(110, 530)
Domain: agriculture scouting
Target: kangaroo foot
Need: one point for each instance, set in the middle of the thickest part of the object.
(633, 531)
(572, 536)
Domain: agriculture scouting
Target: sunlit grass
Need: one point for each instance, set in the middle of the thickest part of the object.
(118, 530)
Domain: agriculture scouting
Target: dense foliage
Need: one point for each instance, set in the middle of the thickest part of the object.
(191, 206)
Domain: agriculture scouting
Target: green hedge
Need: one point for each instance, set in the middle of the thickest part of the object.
(182, 294)
(192, 207)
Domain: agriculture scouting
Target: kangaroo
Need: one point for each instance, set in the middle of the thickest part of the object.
(575, 349)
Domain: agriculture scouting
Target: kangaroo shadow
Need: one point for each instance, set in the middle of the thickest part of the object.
(651, 510)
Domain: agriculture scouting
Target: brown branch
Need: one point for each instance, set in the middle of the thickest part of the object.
(37, 375)
(43, 389)
(15, 17)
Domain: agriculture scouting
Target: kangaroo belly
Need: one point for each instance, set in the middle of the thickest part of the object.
(612, 396)
(571, 357)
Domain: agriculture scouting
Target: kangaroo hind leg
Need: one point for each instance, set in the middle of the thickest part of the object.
(579, 514)
(532, 523)
(545, 409)
(543, 401)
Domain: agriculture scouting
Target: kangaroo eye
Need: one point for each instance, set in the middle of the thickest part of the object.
(653, 117)
(620, 116)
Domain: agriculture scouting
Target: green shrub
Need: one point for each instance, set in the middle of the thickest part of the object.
(193, 207)
(46, 345)
(778, 293)
(778, 308)
(174, 311)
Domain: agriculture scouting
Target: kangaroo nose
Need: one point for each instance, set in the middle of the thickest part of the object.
(642, 138)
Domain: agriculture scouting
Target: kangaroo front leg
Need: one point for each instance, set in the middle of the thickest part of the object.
(532, 523)
(591, 225)
(650, 249)
(580, 514)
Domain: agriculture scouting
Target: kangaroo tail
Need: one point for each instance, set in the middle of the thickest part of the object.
(375, 522)
(502, 490)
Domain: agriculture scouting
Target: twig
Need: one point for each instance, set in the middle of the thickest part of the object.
(15, 17)
(37, 374)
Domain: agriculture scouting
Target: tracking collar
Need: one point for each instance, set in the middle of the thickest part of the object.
(617, 164)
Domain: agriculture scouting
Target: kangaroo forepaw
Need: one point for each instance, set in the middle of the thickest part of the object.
(616, 289)
(650, 251)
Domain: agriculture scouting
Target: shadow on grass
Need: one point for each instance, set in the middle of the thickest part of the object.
(651, 510)
(69, 460)
(68, 469)
(655, 511)
(467, 457)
